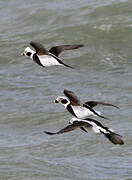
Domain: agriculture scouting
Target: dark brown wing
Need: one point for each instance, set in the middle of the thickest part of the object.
(95, 103)
(64, 130)
(70, 127)
(58, 49)
(72, 97)
(40, 50)
(114, 138)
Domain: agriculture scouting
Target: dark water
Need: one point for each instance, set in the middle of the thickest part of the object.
(103, 72)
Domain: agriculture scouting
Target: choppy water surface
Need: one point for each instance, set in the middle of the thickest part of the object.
(103, 72)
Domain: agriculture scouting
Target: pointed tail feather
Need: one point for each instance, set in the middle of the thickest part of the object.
(68, 66)
(95, 112)
(103, 117)
(114, 138)
(49, 133)
(60, 61)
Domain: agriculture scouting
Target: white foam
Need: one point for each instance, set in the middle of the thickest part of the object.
(104, 27)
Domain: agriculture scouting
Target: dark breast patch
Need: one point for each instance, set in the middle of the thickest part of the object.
(69, 108)
(36, 59)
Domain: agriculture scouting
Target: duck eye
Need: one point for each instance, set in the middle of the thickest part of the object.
(64, 101)
(28, 53)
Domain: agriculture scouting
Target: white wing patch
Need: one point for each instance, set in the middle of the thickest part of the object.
(47, 61)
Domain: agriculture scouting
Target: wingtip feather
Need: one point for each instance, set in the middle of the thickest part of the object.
(80, 45)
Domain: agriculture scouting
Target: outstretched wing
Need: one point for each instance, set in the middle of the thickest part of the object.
(72, 97)
(71, 127)
(64, 130)
(40, 50)
(58, 49)
(95, 103)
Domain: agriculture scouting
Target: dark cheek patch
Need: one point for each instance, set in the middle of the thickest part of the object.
(64, 101)
(28, 54)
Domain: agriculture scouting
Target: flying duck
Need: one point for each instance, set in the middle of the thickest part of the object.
(90, 124)
(46, 58)
(78, 109)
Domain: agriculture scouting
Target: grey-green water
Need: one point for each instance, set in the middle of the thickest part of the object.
(103, 72)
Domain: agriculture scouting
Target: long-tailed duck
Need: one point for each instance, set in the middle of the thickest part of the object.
(46, 58)
(95, 126)
(78, 109)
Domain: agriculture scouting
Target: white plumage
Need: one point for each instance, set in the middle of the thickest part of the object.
(82, 112)
(47, 61)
